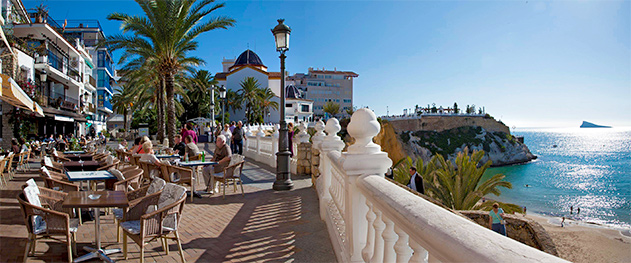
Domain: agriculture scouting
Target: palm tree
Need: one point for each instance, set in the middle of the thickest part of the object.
(250, 93)
(164, 37)
(331, 108)
(266, 103)
(199, 85)
(122, 101)
(459, 186)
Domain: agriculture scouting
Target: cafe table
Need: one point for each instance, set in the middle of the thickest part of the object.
(74, 152)
(195, 165)
(96, 200)
(167, 156)
(81, 165)
(79, 157)
(89, 176)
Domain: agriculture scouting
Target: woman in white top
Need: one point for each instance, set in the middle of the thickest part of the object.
(149, 155)
(226, 132)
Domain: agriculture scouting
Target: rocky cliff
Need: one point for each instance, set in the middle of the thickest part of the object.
(399, 141)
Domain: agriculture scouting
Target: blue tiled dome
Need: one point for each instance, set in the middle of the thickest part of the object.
(248, 57)
(291, 92)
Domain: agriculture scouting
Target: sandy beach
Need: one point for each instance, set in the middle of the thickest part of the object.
(580, 243)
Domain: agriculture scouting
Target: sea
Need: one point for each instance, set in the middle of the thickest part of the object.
(586, 168)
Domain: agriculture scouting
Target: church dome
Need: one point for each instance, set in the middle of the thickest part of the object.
(291, 92)
(248, 57)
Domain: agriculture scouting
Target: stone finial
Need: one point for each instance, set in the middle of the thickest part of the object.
(303, 136)
(260, 133)
(332, 141)
(318, 137)
(363, 127)
(275, 133)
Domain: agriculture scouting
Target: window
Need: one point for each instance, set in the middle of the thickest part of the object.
(305, 108)
(288, 105)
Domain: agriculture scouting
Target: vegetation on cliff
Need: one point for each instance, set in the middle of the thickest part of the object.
(458, 184)
(447, 142)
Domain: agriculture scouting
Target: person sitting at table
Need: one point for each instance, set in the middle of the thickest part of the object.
(179, 148)
(61, 143)
(222, 157)
(134, 148)
(191, 147)
(25, 147)
(140, 149)
(15, 148)
(149, 155)
(122, 145)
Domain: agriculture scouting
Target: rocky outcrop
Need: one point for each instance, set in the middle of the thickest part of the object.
(519, 228)
(492, 137)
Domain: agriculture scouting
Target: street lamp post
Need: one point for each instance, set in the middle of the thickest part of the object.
(222, 96)
(283, 175)
(212, 111)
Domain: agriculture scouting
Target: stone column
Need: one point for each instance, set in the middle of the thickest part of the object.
(316, 140)
(331, 142)
(304, 158)
(362, 158)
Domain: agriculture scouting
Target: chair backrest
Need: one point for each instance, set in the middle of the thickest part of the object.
(172, 193)
(178, 175)
(156, 185)
(235, 168)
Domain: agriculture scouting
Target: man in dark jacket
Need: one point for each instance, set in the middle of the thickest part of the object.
(238, 135)
(416, 181)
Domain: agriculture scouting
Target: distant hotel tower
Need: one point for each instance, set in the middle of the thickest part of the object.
(323, 85)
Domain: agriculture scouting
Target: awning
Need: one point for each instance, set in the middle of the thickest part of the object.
(14, 95)
(38, 109)
(63, 118)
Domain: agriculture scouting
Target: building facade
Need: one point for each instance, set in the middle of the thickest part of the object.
(248, 64)
(322, 86)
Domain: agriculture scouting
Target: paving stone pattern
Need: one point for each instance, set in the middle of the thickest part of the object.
(263, 226)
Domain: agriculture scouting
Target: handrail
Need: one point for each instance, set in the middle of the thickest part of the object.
(439, 231)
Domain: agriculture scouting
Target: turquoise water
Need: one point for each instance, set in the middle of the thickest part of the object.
(589, 169)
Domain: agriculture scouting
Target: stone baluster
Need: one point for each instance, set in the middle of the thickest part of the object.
(420, 254)
(368, 250)
(303, 136)
(404, 252)
(319, 136)
(362, 158)
(379, 226)
(389, 237)
(331, 142)
(259, 138)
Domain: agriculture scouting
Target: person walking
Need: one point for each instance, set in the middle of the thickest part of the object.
(290, 137)
(238, 135)
(416, 181)
(496, 219)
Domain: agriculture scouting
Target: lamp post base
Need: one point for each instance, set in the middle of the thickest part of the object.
(283, 172)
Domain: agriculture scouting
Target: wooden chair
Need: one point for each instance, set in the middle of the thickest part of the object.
(3, 178)
(232, 173)
(53, 166)
(132, 178)
(56, 222)
(134, 197)
(142, 223)
(9, 166)
(107, 166)
(180, 176)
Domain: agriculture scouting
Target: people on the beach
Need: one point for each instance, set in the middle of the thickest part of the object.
(578, 210)
(571, 209)
(496, 219)
(562, 221)
(524, 210)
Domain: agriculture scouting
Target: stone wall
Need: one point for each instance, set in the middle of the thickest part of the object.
(519, 228)
(7, 129)
(447, 122)
(315, 165)
(304, 159)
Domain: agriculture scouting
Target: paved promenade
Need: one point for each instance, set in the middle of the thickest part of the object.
(263, 226)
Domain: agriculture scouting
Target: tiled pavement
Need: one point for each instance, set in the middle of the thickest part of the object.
(263, 226)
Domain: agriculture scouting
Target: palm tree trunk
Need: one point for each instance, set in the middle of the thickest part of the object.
(160, 113)
(169, 79)
(125, 124)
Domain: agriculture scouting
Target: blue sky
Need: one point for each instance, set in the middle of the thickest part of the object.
(529, 63)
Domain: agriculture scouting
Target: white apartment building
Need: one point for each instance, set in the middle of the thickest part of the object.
(322, 86)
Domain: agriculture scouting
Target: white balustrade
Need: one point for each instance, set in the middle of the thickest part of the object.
(370, 219)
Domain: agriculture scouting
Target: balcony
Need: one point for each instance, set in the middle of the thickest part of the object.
(62, 102)
(92, 81)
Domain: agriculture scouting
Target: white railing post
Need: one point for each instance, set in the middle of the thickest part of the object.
(303, 136)
(362, 158)
(259, 138)
(331, 142)
(316, 140)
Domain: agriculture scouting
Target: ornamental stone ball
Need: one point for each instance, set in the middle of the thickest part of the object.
(332, 128)
(363, 127)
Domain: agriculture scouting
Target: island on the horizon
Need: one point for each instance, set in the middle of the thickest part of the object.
(592, 125)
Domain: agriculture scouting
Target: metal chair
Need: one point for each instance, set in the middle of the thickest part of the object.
(232, 173)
